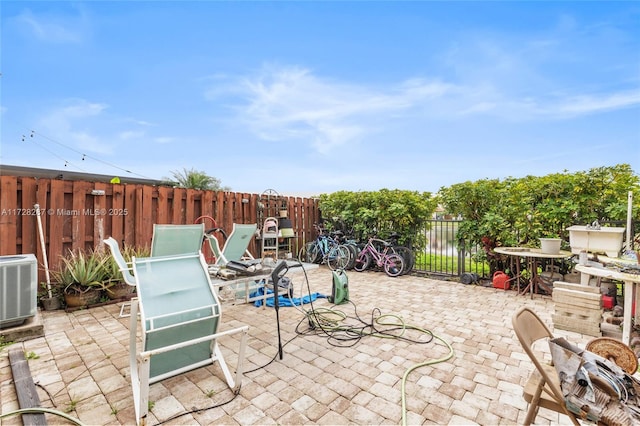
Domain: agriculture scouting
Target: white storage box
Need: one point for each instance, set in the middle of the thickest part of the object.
(606, 240)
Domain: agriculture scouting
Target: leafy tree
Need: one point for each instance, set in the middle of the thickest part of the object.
(367, 213)
(195, 179)
(519, 211)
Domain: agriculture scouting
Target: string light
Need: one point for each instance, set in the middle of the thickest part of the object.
(82, 154)
(52, 153)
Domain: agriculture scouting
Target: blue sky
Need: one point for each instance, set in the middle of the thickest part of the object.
(313, 97)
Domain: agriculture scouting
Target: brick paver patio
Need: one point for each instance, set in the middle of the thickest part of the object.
(81, 365)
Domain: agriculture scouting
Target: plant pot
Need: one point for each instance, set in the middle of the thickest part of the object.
(50, 303)
(120, 291)
(81, 300)
(550, 245)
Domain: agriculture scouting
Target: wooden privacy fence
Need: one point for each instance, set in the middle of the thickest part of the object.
(81, 214)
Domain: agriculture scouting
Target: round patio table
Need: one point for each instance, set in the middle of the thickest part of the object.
(532, 257)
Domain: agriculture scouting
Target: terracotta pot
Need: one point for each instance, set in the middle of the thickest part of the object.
(78, 300)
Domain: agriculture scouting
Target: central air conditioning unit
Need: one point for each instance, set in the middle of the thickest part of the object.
(18, 289)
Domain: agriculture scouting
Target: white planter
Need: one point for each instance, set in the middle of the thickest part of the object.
(550, 245)
(606, 240)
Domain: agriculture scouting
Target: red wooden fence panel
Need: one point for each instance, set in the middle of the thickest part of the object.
(81, 214)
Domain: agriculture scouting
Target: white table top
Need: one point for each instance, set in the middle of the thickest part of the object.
(612, 274)
(531, 252)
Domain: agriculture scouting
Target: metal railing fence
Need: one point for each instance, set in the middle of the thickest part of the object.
(442, 255)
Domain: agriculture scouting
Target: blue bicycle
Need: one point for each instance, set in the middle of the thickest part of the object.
(325, 250)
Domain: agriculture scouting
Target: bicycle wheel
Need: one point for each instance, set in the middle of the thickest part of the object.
(302, 253)
(408, 256)
(338, 257)
(310, 253)
(362, 262)
(353, 254)
(393, 265)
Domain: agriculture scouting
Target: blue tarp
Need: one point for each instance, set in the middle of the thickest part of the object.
(284, 300)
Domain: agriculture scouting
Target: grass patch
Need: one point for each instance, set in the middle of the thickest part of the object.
(449, 264)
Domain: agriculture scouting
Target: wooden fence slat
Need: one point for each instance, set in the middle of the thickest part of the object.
(28, 229)
(219, 217)
(9, 211)
(129, 230)
(116, 230)
(42, 191)
(163, 205)
(100, 214)
(207, 205)
(228, 211)
(78, 226)
(176, 205)
(56, 222)
(147, 216)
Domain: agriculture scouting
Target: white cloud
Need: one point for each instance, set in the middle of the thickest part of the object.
(67, 124)
(55, 29)
(130, 134)
(591, 104)
(293, 103)
(554, 106)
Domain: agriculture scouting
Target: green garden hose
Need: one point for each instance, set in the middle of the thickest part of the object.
(40, 410)
(422, 364)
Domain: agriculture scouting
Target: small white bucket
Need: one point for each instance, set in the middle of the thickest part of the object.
(550, 245)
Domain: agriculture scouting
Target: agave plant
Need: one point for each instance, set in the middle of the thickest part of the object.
(114, 282)
(129, 252)
(81, 271)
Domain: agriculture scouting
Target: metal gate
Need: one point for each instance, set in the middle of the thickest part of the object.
(443, 255)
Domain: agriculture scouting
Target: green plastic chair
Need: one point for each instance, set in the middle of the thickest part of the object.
(236, 246)
(171, 240)
(179, 319)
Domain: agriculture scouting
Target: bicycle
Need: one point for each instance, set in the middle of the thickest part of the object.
(325, 250)
(390, 262)
(407, 254)
(350, 244)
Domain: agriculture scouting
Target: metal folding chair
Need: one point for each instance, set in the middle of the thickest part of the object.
(543, 386)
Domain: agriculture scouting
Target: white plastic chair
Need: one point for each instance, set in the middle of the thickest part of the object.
(124, 267)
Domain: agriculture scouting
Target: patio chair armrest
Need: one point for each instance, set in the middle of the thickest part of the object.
(186, 343)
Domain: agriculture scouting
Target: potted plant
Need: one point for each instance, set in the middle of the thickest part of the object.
(114, 283)
(115, 286)
(550, 244)
(50, 296)
(82, 277)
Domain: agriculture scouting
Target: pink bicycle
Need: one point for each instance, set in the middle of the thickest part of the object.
(390, 262)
